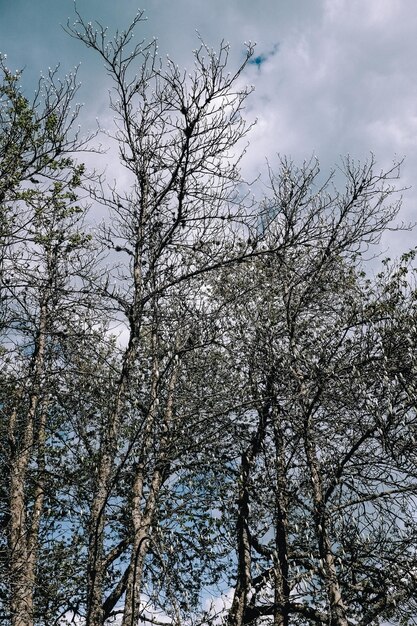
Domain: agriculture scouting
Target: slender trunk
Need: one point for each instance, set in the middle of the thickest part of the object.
(21, 604)
(96, 569)
(244, 560)
(337, 607)
(282, 589)
(236, 616)
(23, 535)
(96, 564)
(142, 531)
(39, 494)
(143, 514)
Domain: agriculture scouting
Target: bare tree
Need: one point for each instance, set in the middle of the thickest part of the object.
(314, 366)
(222, 402)
(41, 292)
(182, 218)
(40, 239)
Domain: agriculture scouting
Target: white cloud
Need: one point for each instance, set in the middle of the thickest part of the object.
(343, 78)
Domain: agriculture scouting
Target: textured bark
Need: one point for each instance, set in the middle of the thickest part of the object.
(142, 526)
(143, 513)
(23, 532)
(96, 566)
(238, 612)
(282, 588)
(336, 605)
(243, 583)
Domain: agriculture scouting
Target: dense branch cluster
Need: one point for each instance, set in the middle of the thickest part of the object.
(242, 450)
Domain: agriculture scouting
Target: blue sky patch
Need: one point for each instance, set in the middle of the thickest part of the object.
(259, 59)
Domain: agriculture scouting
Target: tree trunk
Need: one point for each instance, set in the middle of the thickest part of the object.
(282, 589)
(236, 616)
(142, 518)
(243, 583)
(96, 569)
(23, 534)
(337, 607)
(142, 525)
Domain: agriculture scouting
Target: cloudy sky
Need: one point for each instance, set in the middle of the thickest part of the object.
(333, 77)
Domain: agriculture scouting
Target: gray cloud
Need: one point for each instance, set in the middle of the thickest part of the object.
(343, 80)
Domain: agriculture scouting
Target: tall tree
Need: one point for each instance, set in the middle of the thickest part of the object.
(221, 401)
(179, 221)
(40, 245)
(314, 364)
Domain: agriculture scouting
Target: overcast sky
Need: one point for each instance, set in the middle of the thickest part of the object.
(333, 77)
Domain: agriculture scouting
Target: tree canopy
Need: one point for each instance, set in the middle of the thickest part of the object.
(208, 401)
